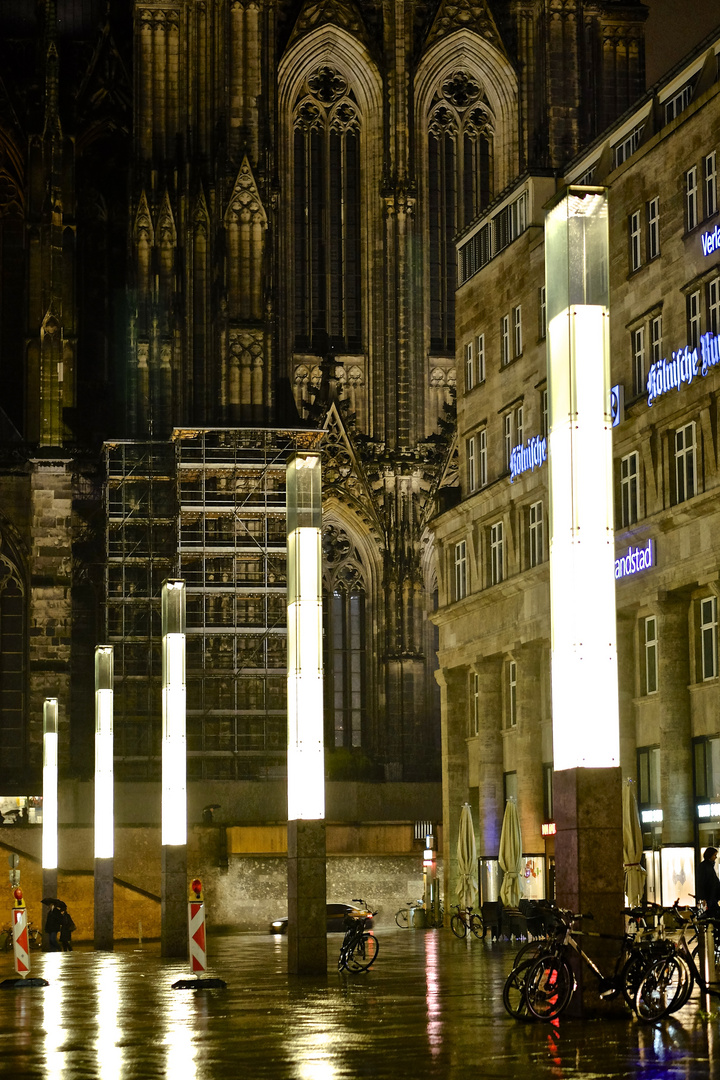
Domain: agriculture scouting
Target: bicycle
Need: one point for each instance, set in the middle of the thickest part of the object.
(359, 947)
(34, 937)
(464, 920)
(668, 985)
(402, 917)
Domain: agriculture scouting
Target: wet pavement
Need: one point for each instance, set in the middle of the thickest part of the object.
(430, 1007)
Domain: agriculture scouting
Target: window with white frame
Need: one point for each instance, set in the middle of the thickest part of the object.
(497, 553)
(535, 534)
(505, 340)
(685, 462)
(517, 330)
(482, 457)
(710, 183)
(471, 452)
(512, 694)
(653, 228)
(678, 102)
(475, 710)
(694, 317)
(651, 654)
(519, 427)
(691, 198)
(460, 570)
(543, 312)
(629, 469)
(656, 339)
(713, 304)
(708, 637)
(628, 146)
(544, 428)
(480, 358)
(469, 366)
(638, 358)
(508, 437)
(635, 234)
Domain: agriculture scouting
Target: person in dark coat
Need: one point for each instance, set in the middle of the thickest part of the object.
(66, 930)
(707, 883)
(53, 926)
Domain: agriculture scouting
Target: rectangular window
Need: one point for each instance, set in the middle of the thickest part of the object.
(708, 637)
(535, 530)
(507, 421)
(517, 330)
(460, 570)
(482, 457)
(710, 177)
(469, 366)
(628, 146)
(707, 767)
(548, 791)
(651, 655)
(653, 228)
(544, 413)
(512, 694)
(691, 199)
(656, 339)
(475, 713)
(543, 312)
(694, 319)
(629, 466)
(713, 301)
(676, 104)
(505, 340)
(471, 448)
(497, 554)
(481, 358)
(685, 462)
(638, 352)
(635, 250)
(519, 425)
(648, 767)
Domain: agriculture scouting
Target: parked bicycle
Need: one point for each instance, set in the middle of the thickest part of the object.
(668, 985)
(34, 937)
(465, 921)
(404, 916)
(359, 947)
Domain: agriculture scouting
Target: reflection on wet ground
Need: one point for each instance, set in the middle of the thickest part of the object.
(430, 1007)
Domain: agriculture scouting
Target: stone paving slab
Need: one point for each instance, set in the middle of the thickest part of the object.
(430, 1007)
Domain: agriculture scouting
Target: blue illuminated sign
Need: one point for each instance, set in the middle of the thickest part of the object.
(637, 559)
(530, 456)
(711, 241)
(685, 365)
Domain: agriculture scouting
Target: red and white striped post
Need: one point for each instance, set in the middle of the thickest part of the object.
(21, 944)
(196, 928)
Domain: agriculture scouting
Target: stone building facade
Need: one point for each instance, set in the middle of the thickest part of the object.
(659, 165)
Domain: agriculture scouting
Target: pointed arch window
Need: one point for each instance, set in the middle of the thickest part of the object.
(326, 205)
(344, 616)
(460, 140)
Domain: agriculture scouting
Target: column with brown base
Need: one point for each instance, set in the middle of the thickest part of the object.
(307, 922)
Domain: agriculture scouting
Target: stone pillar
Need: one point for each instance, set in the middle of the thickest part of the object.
(174, 900)
(49, 888)
(453, 684)
(589, 867)
(676, 766)
(490, 757)
(627, 668)
(104, 929)
(307, 920)
(529, 757)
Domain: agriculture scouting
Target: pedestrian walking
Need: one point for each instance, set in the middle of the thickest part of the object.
(707, 883)
(53, 925)
(66, 930)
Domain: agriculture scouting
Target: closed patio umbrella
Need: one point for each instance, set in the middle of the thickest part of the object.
(466, 859)
(510, 856)
(632, 847)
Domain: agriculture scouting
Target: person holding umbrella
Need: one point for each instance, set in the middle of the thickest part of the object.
(54, 921)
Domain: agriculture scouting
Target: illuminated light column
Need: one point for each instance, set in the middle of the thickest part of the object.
(586, 730)
(50, 801)
(104, 801)
(307, 936)
(173, 931)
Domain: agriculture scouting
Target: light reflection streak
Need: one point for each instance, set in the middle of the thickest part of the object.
(109, 1054)
(432, 995)
(181, 1049)
(52, 1006)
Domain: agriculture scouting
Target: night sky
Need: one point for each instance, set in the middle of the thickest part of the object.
(673, 28)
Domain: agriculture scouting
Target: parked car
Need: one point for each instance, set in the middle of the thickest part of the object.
(335, 918)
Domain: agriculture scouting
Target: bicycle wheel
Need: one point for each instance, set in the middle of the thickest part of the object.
(35, 939)
(549, 985)
(402, 918)
(513, 996)
(659, 989)
(363, 954)
(458, 926)
(477, 926)
(532, 950)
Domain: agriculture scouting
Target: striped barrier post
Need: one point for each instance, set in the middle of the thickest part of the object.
(21, 945)
(196, 928)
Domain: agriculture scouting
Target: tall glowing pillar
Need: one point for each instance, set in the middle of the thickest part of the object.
(173, 931)
(50, 799)
(307, 941)
(104, 799)
(586, 733)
